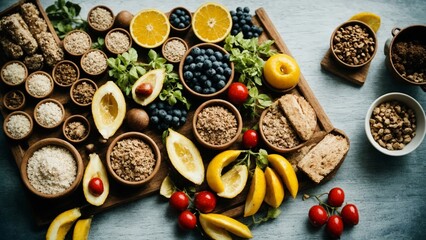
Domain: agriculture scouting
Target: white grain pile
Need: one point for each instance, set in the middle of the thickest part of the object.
(49, 114)
(14, 73)
(18, 126)
(39, 85)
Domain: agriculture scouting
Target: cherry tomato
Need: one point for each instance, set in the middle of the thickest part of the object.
(336, 197)
(205, 201)
(237, 93)
(187, 220)
(335, 226)
(317, 215)
(96, 186)
(145, 89)
(179, 201)
(350, 214)
(250, 138)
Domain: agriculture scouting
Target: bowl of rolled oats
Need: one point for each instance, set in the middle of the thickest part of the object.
(395, 124)
(118, 41)
(100, 18)
(94, 62)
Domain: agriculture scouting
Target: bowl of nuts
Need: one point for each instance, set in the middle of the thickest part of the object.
(353, 44)
(395, 124)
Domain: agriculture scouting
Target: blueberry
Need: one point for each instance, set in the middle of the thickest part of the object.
(185, 67)
(152, 106)
(209, 52)
(162, 126)
(179, 12)
(228, 72)
(199, 66)
(212, 90)
(154, 119)
(197, 74)
(216, 78)
(246, 28)
(216, 64)
(248, 19)
(207, 83)
(207, 64)
(236, 26)
(203, 51)
(168, 118)
(203, 78)
(249, 35)
(260, 30)
(234, 32)
(176, 21)
(173, 16)
(188, 75)
(199, 59)
(211, 72)
(187, 17)
(221, 84)
(177, 112)
(162, 113)
(239, 9)
(232, 12)
(234, 19)
(181, 25)
(255, 34)
(226, 57)
(183, 119)
(218, 55)
(193, 81)
(243, 21)
(197, 88)
(155, 111)
(196, 51)
(220, 70)
(206, 90)
(160, 105)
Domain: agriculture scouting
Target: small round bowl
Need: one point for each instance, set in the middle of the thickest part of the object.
(226, 105)
(3, 77)
(95, 26)
(56, 69)
(85, 58)
(46, 101)
(420, 122)
(154, 149)
(59, 143)
(170, 53)
(16, 95)
(180, 31)
(370, 33)
(51, 84)
(108, 39)
(76, 118)
(8, 134)
(80, 46)
(193, 92)
(75, 85)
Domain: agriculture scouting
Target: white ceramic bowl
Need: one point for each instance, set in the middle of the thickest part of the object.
(420, 121)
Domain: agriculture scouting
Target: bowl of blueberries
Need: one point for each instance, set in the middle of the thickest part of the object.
(164, 116)
(180, 19)
(206, 71)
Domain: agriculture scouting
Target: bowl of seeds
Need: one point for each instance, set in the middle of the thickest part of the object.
(76, 128)
(82, 92)
(52, 168)
(65, 73)
(49, 113)
(133, 159)
(18, 125)
(13, 73)
(39, 84)
(217, 124)
(118, 41)
(174, 49)
(14, 100)
(77, 42)
(100, 18)
(94, 62)
(395, 124)
(353, 44)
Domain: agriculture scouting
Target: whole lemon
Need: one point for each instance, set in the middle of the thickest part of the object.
(281, 71)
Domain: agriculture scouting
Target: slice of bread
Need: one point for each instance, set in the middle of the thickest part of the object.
(300, 114)
(324, 157)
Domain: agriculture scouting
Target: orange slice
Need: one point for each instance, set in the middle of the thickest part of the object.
(369, 18)
(150, 28)
(212, 22)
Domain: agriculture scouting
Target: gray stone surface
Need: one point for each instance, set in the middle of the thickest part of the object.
(389, 192)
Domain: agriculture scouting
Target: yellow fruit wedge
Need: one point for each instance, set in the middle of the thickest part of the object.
(167, 187)
(216, 165)
(60, 226)
(234, 181)
(369, 18)
(256, 193)
(229, 224)
(283, 167)
(214, 232)
(155, 78)
(211, 22)
(185, 157)
(274, 188)
(108, 109)
(150, 28)
(82, 229)
(95, 168)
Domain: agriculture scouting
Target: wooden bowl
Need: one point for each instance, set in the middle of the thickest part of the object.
(27, 84)
(14, 93)
(193, 92)
(8, 134)
(108, 38)
(55, 75)
(76, 118)
(146, 139)
(94, 26)
(75, 84)
(71, 50)
(59, 143)
(46, 101)
(3, 77)
(85, 58)
(226, 105)
(180, 31)
(371, 34)
(165, 48)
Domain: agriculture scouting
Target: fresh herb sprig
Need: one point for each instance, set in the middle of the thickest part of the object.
(99, 44)
(64, 17)
(256, 102)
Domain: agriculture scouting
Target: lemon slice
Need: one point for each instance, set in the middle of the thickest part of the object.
(229, 224)
(60, 226)
(150, 28)
(274, 188)
(212, 22)
(185, 157)
(234, 181)
(216, 165)
(167, 187)
(369, 18)
(81, 229)
(256, 193)
(212, 231)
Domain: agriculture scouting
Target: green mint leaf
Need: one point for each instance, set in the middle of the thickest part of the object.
(152, 55)
(133, 73)
(133, 55)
